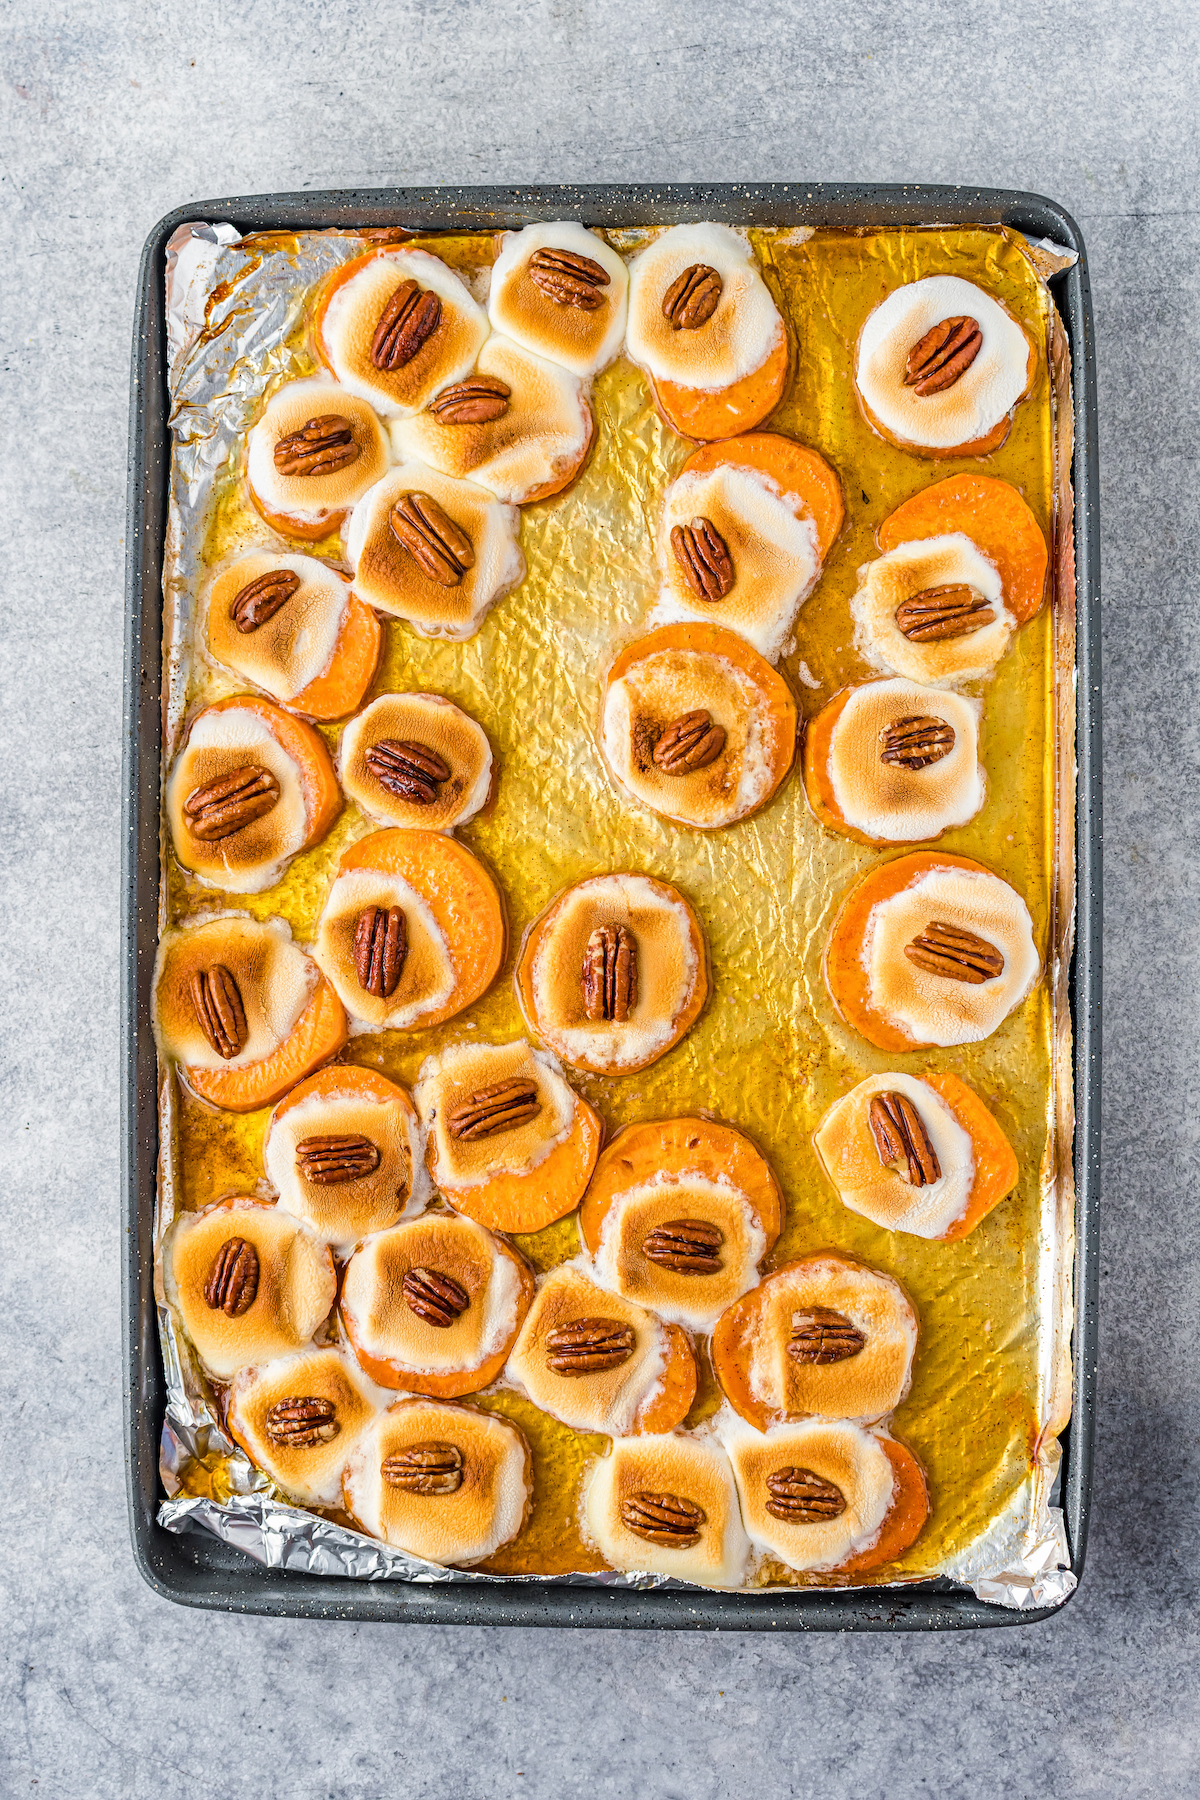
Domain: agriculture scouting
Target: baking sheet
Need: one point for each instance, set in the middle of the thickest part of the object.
(987, 1391)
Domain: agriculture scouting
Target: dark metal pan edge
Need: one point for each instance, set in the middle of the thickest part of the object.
(195, 1572)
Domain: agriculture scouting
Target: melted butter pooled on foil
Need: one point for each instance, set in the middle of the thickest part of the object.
(766, 890)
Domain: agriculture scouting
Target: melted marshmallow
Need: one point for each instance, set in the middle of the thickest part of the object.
(886, 800)
(934, 1009)
(982, 396)
(743, 330)
(882, 1194)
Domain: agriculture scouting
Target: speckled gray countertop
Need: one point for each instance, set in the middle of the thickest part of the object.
(112, 114)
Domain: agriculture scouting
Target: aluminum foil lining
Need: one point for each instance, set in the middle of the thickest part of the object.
(233, 315)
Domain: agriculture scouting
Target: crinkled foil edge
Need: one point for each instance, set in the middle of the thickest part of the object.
(255, 1519)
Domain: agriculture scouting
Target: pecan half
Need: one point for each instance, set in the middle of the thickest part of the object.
(408, 770)
(820, 1335)
(223, 806)
(939, 613)
(585, 1346)
(703, 555)
(428, 1468)
(494, 1109)
(663, 1519)
(319, 447)
(262, 598)
(802, 1498)
(691, 300)
(900, 1136)
(476, 401)
(233, 1279)
(936, 361)
(916, 741)
(440, 548)
(690, 742)
(957, 954)
(380, 948)
(408, 321)
(568, 278)
(434, 1297)
(301, 1420)
(610, 973)
(328, 1161)
(690, 1246)
(219, 1010)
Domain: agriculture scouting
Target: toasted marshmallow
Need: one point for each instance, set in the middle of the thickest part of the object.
(774, 554)
(322, 499)
(290, 649)
(911, 569)
(387, 577)
(600, 1400)
(663, 686)
(220, 741)
(353, 313)
(935, 1009)
(865, 1386)
(890, 801)
(427, 977)
(435, 724)
(695, 1470)
(670, 971)
(983, 394)
(343, 1212)
(583, 340)
(452, 1076)
(396, 1344)
(294, 1295)
(843, 1455)
(735, 341)
(273, 975)
(694, 1300)
(486, 1510)
(882, 1192)
(535, 447)
(309, 1473)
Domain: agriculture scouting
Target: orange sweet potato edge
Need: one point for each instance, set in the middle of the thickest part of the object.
(844, 973)
(672, 1146)
(995, 518)
(724, 412)
(527, 1202)
(460, 893)
(532, 943)
(318, 1034)
(339, 688)
(795, 468)
(455, 1382)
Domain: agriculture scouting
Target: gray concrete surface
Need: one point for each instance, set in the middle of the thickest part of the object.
(112, 114)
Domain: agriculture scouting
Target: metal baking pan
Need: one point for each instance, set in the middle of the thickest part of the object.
(198, 1571)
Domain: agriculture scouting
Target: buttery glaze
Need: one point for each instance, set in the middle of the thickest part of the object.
(533, 678)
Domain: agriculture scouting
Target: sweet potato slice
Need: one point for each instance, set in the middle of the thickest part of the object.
(708, 413)
(459, 892)
(310, 753)
(995, 518)
(509, 1202)
(317, 1035)
(906, 1517)
(793, 467)
(671, 1405)
(455, 1382)
(678, 1147)
(339, 688)
(845, 975)
(996, 1166)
